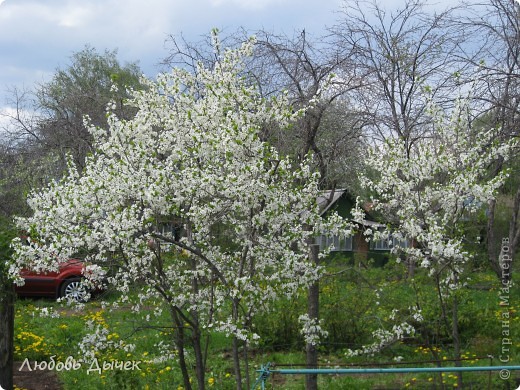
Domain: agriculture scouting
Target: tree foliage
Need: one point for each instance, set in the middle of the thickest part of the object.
(50, 121)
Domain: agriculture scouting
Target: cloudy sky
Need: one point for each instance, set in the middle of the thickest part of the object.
(38, 36)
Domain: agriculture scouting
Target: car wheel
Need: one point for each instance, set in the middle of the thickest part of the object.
(73, 289)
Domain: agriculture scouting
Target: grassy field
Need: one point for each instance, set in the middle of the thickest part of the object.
(351, 306)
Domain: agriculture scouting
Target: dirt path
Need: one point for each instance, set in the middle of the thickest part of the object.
(35, 380)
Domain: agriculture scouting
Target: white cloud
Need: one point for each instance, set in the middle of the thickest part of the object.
(248, 4)
(74, 17)
(36, 37)
(5, 117)
(8, 126)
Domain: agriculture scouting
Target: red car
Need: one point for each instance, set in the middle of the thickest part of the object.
(65, 283)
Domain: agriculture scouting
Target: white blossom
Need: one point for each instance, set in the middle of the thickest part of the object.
(193, 155)
(311, 329)
(425, 191)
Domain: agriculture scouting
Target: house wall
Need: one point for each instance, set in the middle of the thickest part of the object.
(361, 252)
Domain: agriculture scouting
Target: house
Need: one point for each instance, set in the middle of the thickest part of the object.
(356, 247)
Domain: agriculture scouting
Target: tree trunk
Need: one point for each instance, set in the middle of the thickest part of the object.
(456, 337)
(411, 268)
(514, 231)
(6, 335)
(196, 338)
(491, 240)
(246, 365)
(313, 301)
(236, 348)
(199, 358)
(236, 362)
(179, 340)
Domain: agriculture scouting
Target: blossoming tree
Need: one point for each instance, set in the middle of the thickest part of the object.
(426, 192)
(191, 158)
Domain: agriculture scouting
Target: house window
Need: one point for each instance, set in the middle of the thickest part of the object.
(338, 243)
(387, 244)
(172, 230)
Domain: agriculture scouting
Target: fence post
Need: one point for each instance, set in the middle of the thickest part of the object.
(313, 311)
(264, 375)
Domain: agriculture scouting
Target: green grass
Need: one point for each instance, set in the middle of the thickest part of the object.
(347, 304)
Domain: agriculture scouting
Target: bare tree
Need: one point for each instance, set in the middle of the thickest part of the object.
(401, 54)
(304, 68)
(494, 52)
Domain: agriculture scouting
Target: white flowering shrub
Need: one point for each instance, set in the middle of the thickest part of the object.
(193, 157)
(425, 190)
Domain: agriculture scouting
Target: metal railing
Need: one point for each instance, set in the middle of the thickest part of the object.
(267, 370)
